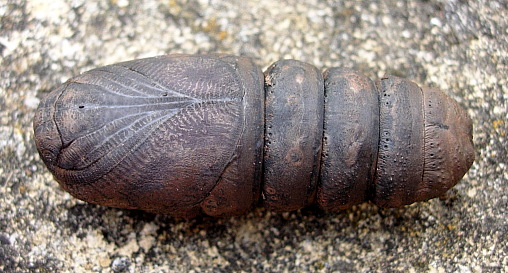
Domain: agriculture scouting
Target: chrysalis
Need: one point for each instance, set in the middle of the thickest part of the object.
(186, 135)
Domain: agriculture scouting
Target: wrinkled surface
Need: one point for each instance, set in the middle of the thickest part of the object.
(446, 125)
(350, 141)
(457, 46)
(158, 134)
(401, 140)
(294, 129)
(176, 135)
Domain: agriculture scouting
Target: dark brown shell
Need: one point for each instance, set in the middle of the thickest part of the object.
(351, 139)
(180, 135)
(185, 135)
(294, 131)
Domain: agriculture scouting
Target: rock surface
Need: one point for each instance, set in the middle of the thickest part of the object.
(458, 46)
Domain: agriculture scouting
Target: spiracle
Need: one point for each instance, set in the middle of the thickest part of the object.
(187, 135)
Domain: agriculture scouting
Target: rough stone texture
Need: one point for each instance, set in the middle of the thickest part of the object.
(458, 46)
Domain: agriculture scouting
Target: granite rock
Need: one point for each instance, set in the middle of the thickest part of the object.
(458, 46)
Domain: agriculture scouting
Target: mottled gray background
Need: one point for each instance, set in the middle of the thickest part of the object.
(458, 46)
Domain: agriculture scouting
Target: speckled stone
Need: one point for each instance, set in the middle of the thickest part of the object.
(458, 46)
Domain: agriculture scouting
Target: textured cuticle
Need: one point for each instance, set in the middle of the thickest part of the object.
(187, 135)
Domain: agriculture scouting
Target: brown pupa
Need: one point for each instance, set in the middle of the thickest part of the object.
(186, 135)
